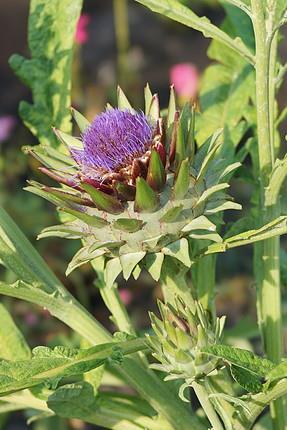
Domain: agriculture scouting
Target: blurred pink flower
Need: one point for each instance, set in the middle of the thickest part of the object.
(185, 77)
(7, 123)
(126, 296)
(81, 31)
(31, 319)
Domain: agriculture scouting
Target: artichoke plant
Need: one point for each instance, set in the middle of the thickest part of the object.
(180, 337)
(134, 188)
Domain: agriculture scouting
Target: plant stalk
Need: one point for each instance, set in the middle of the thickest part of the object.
(267, 264)
(207, 406)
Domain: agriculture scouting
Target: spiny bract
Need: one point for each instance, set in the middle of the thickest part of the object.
(133, 188)
(181, 336)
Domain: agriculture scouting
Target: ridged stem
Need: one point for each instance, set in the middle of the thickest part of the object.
(207, 406)
(267, 264)
(122, 36)
(205, 282)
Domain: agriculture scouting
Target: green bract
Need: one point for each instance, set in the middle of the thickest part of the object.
(180, 338)
(159, 212)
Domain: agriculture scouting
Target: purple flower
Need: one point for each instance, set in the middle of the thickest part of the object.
(112, 142)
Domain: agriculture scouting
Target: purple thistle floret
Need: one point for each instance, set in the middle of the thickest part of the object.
(113, 140)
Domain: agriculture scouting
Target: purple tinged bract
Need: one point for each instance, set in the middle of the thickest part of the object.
(113, 140)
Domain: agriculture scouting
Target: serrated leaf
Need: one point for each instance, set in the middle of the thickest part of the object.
(175, 10)
(241, 358)
(13, 345)
(129, 261)
(153, 264)
(179, 250)
(48, 72)
(106, 410)
(250, 381)
(49, 364)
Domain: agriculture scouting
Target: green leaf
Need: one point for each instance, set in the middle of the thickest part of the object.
(172, 214)
(147, 98)
(68, 140)
(51, 32)
(278, 372)
(153, 264)
(128, 224)
(13, 345)
(92, 220)
(171, 107)
(129, 261)
(47, 364)
(173, 9)
(112, 271)
(214, 189)
(20, 256)
(154, 110)
(146, 199)
(107, 410)
(83, 256)
(81, 121)
(179, 250)
(156, 175)
(123, 102)
(241, 358)
(250, 381)
(103, 201)
(199, 223)
(182, 181)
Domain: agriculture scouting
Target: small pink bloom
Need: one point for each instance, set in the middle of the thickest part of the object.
(126, 296)
(7, 123)
(81, 31)
(31, 319)
(185, 78)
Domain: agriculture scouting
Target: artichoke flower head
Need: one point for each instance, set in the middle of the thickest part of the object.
(133, 188)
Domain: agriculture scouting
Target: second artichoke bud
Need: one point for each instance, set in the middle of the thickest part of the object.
(180, 337)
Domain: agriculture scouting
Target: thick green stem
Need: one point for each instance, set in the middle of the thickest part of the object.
(205, 282)
(122, 36)
(267, 267)
(207, 406)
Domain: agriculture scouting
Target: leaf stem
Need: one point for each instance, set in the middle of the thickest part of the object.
(207, 406)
